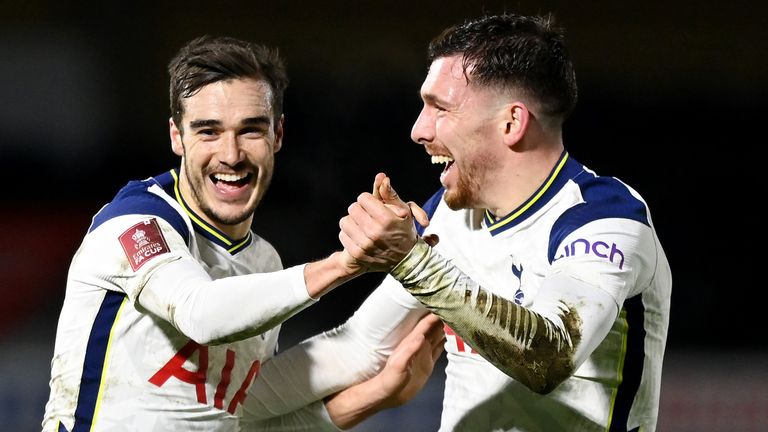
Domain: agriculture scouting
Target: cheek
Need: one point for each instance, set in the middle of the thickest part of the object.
(450, 133)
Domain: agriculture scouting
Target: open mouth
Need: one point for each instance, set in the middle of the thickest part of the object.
(230, 181)
(442, 159)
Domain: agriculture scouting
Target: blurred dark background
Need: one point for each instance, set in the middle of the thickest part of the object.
(672, 101)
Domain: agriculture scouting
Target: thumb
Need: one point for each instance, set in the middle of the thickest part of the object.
(389, 195)
(419, 214)
(386, 193)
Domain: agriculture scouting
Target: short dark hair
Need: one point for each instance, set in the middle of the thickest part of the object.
(207, 60)
(516, 52)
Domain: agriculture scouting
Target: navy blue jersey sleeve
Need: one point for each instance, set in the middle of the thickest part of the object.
(430, 206)
(135, 198)
(604, 197)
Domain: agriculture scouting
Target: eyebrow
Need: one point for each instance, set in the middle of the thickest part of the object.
(197, 124)
(250, 121)
(256, 121)
(434, 100)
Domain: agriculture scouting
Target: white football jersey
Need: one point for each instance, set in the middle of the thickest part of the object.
(598, 230)
(117, 367)
(577, 227)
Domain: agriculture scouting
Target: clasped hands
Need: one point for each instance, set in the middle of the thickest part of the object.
(378, 231)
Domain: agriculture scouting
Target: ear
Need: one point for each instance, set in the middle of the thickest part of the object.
(517, 119)
(279, 131)
(176, 144)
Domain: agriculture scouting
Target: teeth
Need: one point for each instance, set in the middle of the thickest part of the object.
(229, 177)
(441, 159)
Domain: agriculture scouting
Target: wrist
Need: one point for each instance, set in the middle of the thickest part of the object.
(411, 260)
(324, 275)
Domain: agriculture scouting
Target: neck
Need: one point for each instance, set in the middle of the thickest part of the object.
(233, 231)
(523, 173)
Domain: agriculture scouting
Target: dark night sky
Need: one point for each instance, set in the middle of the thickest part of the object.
(671, 101)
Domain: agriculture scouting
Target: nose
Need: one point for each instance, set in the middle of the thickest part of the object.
(230, 152)
(423, 130)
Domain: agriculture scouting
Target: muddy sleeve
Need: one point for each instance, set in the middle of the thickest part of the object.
(540, 345)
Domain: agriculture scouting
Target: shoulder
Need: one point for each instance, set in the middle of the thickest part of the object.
(143, 197)
(603, 199)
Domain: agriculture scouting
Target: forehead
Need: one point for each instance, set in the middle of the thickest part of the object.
(445, 79)
(231, 99)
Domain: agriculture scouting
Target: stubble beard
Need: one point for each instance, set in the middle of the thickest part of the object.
(197, 187)
(467, 192)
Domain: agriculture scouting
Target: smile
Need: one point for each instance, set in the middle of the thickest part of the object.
(438, 159)
(443, 159)
(236, 180)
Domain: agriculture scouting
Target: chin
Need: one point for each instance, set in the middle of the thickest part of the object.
(232, 216)
(460, 199)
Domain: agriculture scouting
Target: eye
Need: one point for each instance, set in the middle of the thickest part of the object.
(207, 132)
(253, 132)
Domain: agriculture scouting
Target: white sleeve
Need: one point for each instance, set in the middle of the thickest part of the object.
(336, 359)
(121, 253)
(314, 418)
(219, 311)
(145, 257)
(621, 259)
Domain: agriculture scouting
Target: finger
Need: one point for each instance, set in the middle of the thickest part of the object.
(427, 321)
(428, 324)
(406, 350)
(377, 182)
(352, 229)
(388, 192)
(377, 210)
(366, 230)
(360, 214)
(388, 195)
(431, 239)
(419, 214)
(364, 251)
(435, 333)
(437, 350)
(350, 247)
(361, 244)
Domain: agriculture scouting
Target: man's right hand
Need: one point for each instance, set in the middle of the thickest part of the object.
(379, 231)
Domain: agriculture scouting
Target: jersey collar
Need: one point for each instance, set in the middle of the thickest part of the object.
(553, 183)
(202, 227)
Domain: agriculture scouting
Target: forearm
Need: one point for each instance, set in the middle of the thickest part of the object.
(534, 349)
(351, 406)
(312, 418)
(224, 310)
(333, 360)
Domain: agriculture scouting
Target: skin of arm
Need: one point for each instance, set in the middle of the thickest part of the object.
(338, 358)
(324, 275)
(404, 375)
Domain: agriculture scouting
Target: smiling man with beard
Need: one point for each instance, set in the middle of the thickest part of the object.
(551, 280)
(172, 302)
